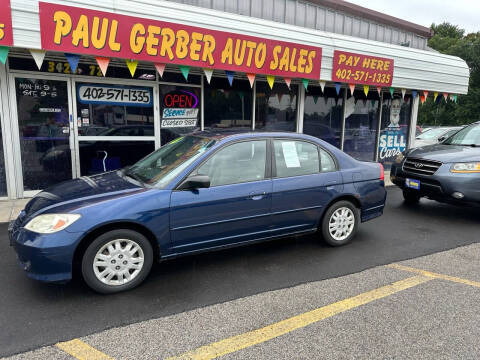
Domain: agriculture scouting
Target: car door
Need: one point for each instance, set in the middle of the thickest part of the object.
(235, 208)
(305, 179)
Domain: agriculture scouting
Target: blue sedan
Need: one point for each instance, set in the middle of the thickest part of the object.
(200, 192)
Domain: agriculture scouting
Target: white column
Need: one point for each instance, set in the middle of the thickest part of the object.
(300, 108)
(413, 120)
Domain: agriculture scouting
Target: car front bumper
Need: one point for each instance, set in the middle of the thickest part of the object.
(442, 185)
(44, 257)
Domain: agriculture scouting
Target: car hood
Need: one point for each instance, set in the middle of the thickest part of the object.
(86, 187)
(446, 153)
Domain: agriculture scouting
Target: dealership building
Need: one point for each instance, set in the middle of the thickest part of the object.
(89, 86)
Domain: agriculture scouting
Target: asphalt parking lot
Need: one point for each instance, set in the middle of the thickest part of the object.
(292, 298)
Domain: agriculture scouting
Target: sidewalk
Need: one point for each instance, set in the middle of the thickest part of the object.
(9, 209)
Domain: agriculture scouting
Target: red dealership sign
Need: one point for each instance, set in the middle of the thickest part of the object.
(6, 35)
(354, 68)
(83, 31)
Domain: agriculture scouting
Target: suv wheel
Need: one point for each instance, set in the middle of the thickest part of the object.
(340, 223)
(116, 261)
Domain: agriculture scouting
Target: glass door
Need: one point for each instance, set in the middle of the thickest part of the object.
(43, 109)
(115, 124)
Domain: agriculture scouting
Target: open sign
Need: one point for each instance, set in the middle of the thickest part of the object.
(180, 99)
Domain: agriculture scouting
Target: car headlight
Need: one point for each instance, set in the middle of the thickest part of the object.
(399, 158)
(51, 223)
(468, 167)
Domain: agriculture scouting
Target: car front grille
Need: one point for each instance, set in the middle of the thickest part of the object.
(421, 166)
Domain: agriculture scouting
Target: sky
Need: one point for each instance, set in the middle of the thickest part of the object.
(464, 13)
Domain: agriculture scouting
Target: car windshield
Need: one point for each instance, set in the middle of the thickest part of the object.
(163, 165)
(469, 136)
(432, 134)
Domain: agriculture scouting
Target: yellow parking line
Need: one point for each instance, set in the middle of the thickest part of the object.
(434, 275)
(245, 340)
(82, 351)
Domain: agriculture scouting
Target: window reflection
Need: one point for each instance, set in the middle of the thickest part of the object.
(276, 109)
(323, 114)
(100, 156)
(361, 123)
(228, 106)
(112, 110)
(42, 107)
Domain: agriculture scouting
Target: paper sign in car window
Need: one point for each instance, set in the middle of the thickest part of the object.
(290, 154)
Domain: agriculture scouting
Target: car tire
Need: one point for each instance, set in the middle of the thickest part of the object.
(410, 197)
(340, 223)
(116, 261)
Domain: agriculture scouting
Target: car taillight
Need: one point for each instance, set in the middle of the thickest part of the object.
(382, 172)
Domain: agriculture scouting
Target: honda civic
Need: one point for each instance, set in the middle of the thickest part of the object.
(199, 192)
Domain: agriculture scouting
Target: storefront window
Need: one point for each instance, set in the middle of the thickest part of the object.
(361, 123)
(179, 110)
(322, 116)
(42, 107)
(114, 110)
(276, 109)
(100, 156)
(228, 106)
(394, 128)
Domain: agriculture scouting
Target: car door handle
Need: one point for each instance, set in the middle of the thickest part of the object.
(257, 196)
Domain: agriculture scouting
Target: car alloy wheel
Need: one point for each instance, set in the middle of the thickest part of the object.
(118, 262)
(341, 223)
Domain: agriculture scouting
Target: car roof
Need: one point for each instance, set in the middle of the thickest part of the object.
(221, 134)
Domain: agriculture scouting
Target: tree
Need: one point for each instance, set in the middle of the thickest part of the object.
(450, 39)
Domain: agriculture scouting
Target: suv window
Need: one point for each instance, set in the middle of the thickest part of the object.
(327, 162)
(294, 158)
(237, 163)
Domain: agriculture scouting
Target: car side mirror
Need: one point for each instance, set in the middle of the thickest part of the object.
(195, 182)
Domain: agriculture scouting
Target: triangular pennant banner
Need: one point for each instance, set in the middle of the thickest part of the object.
(103, 64)
(414, 94)
(38, 56)
(403, 93)
(337, 88)
(160, 68)
(229, 76)
(392, 90)
(315, 99)
(455, 98)
(185, 70)
(241, 94)
(73, 60)
(132, 66)
(422, 99)
(365, 89)
(251, 78)
(352, 88)
(379, 90)
(435, 95)
(288, 81)
(451, 97)
(445, 96)
(425, 93)
(322, 85)
(270, 80)
(4, 53)
(305, 83)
